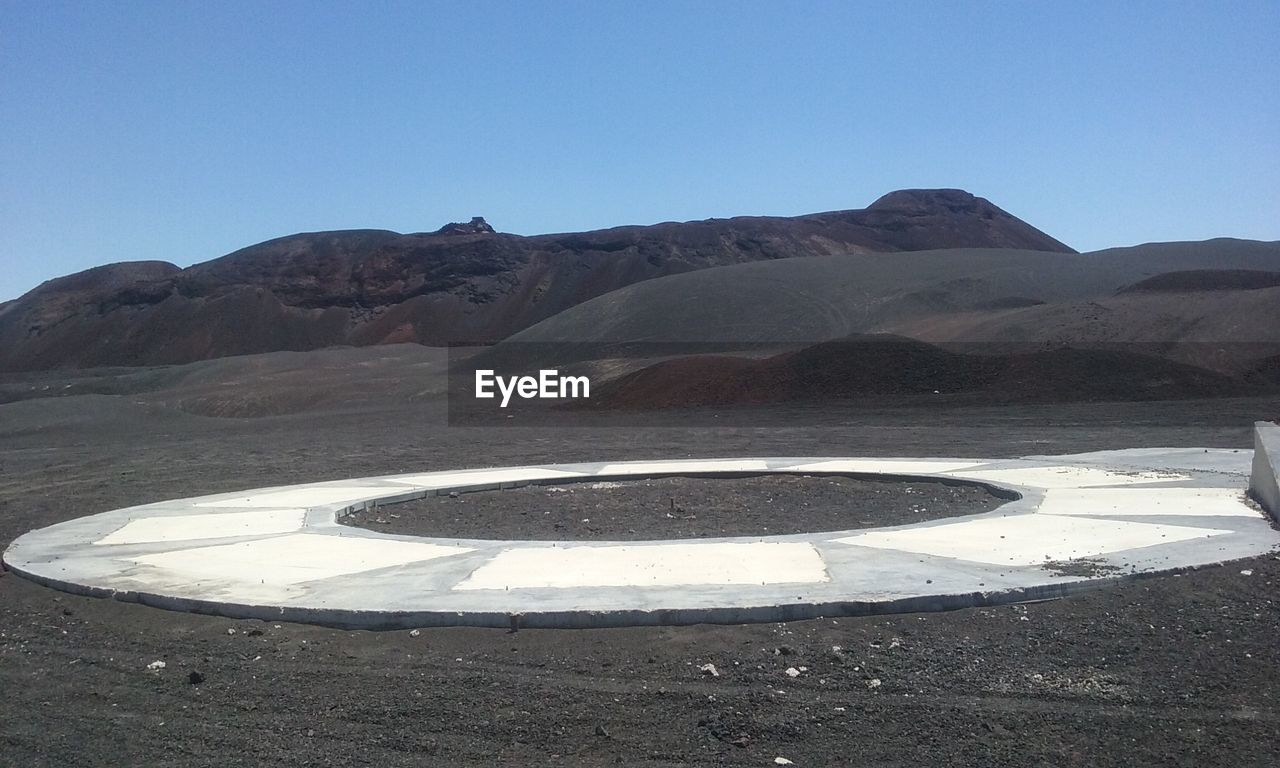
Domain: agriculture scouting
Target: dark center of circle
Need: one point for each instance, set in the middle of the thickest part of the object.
(679, 508)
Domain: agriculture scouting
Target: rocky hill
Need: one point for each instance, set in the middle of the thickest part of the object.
(1225, 314)
(463, 282)
(869, 366)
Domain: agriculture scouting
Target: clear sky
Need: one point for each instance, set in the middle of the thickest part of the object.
(181, 131)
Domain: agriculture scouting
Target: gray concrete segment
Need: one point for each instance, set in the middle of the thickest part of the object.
(1264, 480)
(1070, 523)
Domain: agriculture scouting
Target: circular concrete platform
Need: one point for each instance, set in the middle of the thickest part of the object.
(1071, 522)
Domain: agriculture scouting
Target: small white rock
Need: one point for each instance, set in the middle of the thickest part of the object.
(782, 761)
(709, 669)
(793, 672)
(231, 630)
(1246, 572)
(156, 665)
(415, 632)
(873, 683)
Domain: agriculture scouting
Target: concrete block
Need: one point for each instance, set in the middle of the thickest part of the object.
(1264, 480)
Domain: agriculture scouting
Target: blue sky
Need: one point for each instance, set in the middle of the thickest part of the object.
(181, 131)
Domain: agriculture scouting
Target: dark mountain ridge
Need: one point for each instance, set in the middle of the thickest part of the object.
(461, 282)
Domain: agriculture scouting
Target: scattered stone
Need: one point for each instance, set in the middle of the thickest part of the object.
(415, 633)
(782, 761)
(793, 672)
(709, 669)
(873, 683)
(156, 665)
(231, 630)
(1247, 572)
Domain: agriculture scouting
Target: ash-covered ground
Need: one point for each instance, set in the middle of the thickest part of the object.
(678, 508)
(1172, 670)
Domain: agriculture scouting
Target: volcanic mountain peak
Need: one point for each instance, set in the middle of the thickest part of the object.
(970, 219)
(477, 226)
(930, 201)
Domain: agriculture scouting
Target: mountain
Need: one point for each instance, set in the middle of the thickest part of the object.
(463, 282)
(884, 365)
(1225, 313)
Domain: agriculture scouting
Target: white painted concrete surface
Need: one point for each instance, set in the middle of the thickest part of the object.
(482, 476)
(1063, 476)
(291, 560)
(301, 496)
(692, 466)
(208, 526)
(1148, 502)
(1027, 539)
(886, 466)
(661, 565)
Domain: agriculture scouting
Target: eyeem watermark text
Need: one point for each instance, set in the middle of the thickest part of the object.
(547, 385)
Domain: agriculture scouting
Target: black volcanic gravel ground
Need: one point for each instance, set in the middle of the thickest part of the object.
(1173, 670)
(678, 508)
